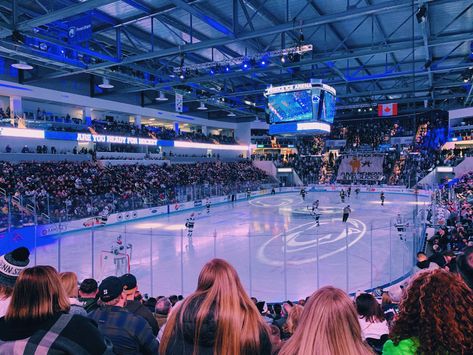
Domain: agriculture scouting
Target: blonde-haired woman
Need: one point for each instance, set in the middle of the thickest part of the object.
(328, 325)
(71, 287)
(37, 321)
(218, 318)
(292, 321)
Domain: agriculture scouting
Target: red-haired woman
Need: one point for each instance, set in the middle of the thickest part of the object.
(218, 318)
(435, 317)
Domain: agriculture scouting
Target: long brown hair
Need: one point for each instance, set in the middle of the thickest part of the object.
(437, 309)
(37, 294)
(219, 291)
(368, 308)
(328, 325)
(293, 319)
(69, 283)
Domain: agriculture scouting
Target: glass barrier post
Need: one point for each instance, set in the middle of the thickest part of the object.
(93, 252)
(250, 263)
(371, 256)
(151, 260)
(390, 250)
(182, 262)
(285, 265)
(346, 258)
(215, 243)
(317, 255)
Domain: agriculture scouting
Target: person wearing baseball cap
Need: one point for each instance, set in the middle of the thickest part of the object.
(11, 264)
(129, 334)
(130, 288)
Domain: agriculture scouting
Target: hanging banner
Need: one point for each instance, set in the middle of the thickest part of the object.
(179, 102)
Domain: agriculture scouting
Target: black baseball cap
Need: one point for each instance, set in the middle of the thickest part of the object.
(110, 288)
(129, 281)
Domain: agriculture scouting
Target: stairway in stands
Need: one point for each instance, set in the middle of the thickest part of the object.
(326, 171)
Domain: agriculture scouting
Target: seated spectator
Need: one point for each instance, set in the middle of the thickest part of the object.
(69, 282)
(292, 321)
(435, 317)
(263, 310)
(38, 319)
(163, 307)
(220, 313)
(16, 260)
(371, 317)
(130, 334)
(465, 266)
(275, 337)
(444, 260)
(424, 263)
(328, 325)
(130, 288)
(88, 294)
(388, 306)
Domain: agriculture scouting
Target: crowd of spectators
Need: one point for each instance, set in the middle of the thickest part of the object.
(453, 216)
(433, 315)
(75, 190)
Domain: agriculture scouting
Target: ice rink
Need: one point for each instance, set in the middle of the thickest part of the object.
(272, 241)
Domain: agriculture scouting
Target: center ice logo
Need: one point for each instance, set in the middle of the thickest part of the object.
(301, 242)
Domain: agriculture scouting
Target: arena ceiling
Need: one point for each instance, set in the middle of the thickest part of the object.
(411, 52)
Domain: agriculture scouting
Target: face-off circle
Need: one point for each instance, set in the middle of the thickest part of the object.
(305, 238)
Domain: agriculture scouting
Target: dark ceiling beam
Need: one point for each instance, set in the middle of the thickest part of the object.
(342, 55)
(66, 12)
(368, 10)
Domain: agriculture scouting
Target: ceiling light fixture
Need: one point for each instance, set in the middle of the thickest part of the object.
(22, 65)
(161, 97)
(106, 84)
(202, 107)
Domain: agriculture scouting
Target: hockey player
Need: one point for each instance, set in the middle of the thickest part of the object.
(346, 213)
(342, 196)
(315, 213)
(248, 194)
(207, 204)
(303, 193)
(400, 226)
(190, 225)
(349, 192)
(315, 204)
(381, 197)
(119, 250)
(357, 191)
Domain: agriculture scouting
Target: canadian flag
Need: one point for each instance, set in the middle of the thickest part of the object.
(387, 110)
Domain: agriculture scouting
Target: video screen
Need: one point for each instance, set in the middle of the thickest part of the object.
(328, 108)
(290, 106)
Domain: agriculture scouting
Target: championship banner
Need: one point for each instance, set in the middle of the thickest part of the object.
(357, 168)
(179, 102)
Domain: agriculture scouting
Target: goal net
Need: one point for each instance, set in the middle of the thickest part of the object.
(114, 264)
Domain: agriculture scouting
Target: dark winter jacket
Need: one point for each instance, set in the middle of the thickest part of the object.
(182, 340)
(90, 304)
(140, 310)
(61, 334)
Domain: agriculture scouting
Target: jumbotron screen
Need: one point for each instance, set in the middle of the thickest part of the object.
(301, 108)
(290, 106)
(327, 112)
